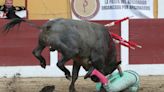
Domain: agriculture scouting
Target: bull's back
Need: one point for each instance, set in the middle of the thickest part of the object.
(89, 31)
(88, 35)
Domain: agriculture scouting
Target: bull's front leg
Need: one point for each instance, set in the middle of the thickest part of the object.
(67, 54)
(37, 53)
(98, 61)
(75, 72)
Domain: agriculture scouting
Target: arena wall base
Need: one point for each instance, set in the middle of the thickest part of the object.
(36, 71)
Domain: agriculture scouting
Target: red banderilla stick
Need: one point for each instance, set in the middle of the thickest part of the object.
(116, 22)
(121, 41)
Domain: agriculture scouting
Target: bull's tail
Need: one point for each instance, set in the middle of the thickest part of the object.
(17, 21)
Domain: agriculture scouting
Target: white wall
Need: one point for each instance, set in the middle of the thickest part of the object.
(36, 71)
(160, 8)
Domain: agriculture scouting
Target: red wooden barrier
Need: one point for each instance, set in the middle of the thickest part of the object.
(16, 46)
(149, 33)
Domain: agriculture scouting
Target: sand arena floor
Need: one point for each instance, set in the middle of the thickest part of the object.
(16, 84)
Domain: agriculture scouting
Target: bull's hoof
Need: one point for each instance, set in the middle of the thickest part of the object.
(68, 77)
(51, 49)
(72, 90)
(43, 65)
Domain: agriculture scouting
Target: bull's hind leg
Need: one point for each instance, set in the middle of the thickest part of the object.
(37, 53)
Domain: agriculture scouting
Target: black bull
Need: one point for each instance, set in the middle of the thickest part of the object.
(88, 44)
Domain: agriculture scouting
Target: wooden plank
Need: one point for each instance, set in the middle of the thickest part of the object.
(155, 11)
